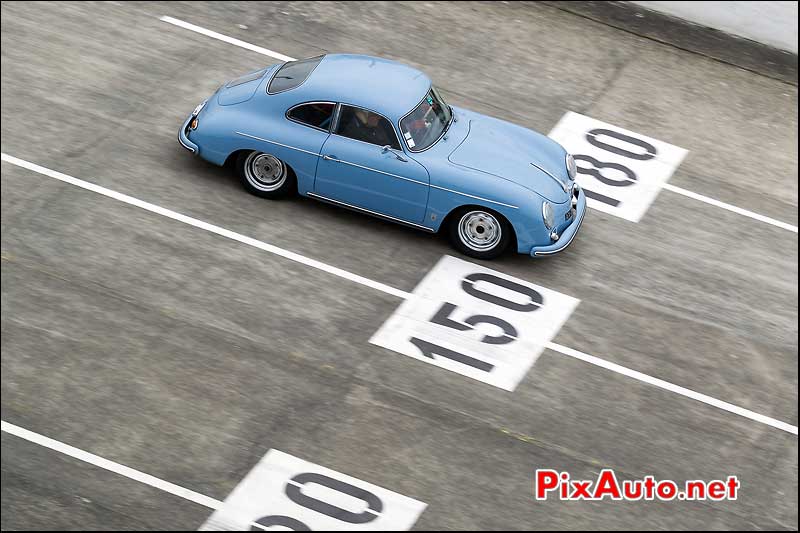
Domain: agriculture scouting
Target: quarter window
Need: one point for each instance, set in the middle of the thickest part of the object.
(366, 126)
(316, 115)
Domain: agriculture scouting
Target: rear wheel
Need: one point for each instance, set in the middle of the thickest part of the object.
(479, 233)
(265, 175)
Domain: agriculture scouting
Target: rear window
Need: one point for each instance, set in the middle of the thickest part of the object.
(292, 74)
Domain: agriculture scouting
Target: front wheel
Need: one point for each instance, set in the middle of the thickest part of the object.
(479, 233)
(265, 175)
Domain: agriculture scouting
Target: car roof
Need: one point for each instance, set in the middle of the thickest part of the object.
(388, 87)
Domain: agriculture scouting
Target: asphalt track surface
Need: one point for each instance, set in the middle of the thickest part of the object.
(187, 356)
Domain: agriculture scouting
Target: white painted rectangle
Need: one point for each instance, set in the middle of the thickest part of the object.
(284, 491)
(621, 171)
(473, 330)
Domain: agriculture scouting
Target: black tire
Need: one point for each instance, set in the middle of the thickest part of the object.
(479, 232)
(265, 175)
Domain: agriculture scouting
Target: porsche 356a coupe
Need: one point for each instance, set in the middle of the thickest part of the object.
(374, 135)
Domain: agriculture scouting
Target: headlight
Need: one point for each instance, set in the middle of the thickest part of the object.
(572, 167)
(548, 215)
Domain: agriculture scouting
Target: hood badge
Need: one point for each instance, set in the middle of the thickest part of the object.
(563, 185)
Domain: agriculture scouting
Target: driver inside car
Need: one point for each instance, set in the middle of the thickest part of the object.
(365, 126)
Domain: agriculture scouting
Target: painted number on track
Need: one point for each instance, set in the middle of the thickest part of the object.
(283, 493)
(620, 171)
(476, 322)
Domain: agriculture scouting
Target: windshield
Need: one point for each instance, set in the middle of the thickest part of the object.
(426, 123)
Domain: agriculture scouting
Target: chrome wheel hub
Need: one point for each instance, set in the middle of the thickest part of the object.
(479, 231)
(265, 172)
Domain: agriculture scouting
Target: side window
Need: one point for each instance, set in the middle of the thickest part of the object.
(316, 115)
(366, 126)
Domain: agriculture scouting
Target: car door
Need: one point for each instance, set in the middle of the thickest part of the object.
(363, 165)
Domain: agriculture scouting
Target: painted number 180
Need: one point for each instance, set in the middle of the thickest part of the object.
(620, 171)
(596, 170)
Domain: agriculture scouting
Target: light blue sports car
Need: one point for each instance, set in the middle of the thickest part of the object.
(374, 135)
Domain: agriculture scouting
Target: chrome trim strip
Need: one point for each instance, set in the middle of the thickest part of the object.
(367, 211)
(329, 158)
(563, 186)
(476, 197)
(277, 143)
(335, 118)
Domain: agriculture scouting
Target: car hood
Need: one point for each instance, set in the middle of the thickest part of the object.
(515, 154)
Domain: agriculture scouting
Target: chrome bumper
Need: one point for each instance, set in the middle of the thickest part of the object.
(567, 237)
(184, 140)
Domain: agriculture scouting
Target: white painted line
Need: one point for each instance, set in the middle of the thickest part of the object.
(678, 190)
(205, 226)
(225, 38)
(384, 288)
(729, 207)
(111, 466)
(660, 383)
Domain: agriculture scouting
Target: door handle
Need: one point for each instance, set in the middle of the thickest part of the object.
(329, 157)
(388, 149)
